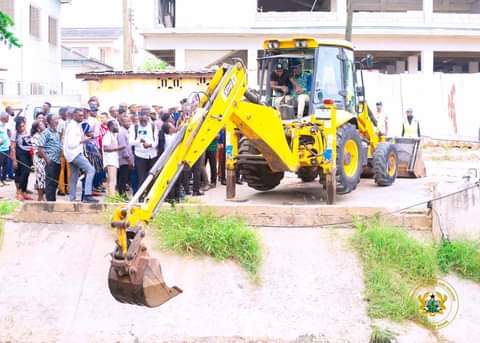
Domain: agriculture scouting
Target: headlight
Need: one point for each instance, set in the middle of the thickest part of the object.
(301, 43)
(273, 44)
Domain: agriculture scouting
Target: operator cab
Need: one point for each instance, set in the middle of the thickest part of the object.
(297, 76)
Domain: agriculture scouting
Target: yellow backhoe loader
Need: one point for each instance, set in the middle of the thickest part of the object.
(334, 139)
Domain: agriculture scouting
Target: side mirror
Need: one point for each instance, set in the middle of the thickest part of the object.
(360, 91)
(319, 96)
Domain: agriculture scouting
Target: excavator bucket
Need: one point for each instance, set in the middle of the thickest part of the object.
(410, 160)
(141, 284)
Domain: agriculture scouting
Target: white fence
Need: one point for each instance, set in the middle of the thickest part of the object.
(445, 104)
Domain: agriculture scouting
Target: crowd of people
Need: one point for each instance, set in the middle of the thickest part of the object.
(109, 152)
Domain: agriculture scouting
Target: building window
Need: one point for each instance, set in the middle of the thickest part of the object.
(166, 13)
(103, 55)
(36, 88)
(35, 21)
(53, 31)
(293, 6)
(387, 5)
(7, 7)
(456, 6)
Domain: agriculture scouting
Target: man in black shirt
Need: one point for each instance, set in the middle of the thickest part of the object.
(280, 82)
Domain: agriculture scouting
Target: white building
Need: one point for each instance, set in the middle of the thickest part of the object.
(33, 69)
(403, 35)
(95, 29)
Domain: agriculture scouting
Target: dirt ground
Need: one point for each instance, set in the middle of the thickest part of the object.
(53, 280)
(54, 288)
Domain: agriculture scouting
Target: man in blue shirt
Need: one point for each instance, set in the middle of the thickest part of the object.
(4, 148)
(302, 83)
(50, 151)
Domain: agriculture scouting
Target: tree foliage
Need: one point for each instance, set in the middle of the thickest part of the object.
(6, 36)
(154, 64)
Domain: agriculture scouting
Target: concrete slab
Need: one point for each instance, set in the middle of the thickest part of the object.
(54, 288)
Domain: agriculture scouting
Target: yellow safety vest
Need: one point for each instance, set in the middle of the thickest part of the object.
(410, 130)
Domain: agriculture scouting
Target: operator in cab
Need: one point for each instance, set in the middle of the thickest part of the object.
(302, 83)
(281, 83)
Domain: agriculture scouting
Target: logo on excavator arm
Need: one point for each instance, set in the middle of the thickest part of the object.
(229, 87)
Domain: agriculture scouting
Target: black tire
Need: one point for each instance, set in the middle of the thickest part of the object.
(307, 174)
(384, 156)
(257, 176)
(347, 182)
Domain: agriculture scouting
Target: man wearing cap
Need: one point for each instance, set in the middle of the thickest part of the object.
(280, 82)
(382, 119)
(411, 126)
(301, 84)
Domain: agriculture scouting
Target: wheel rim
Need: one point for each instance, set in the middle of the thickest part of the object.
(350, 158)
(392, 165)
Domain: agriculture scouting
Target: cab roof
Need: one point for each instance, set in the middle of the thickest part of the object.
(292, 43)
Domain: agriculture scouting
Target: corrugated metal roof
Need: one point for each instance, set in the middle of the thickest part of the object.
(91, 33)
(118, 74)
(71, 55)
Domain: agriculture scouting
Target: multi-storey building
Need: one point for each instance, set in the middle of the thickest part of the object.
(403, 35)
(33, 69)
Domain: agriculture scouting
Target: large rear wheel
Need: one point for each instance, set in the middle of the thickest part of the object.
(349, 161)
(258, 175)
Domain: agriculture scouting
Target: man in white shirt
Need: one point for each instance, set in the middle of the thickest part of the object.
(73, 151)
(144, 140)
(382, 119)
(110, 155)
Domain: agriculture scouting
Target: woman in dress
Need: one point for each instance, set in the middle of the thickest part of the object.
(21, 155)
(39, 163)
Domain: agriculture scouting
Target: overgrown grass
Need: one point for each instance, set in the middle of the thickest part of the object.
(6, 207)
(222, 238)
(382, 335)
(394, 263)
(115, 199)
(461, 257)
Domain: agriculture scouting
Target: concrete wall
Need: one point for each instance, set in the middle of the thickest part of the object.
(141, 91)
(37, 61)
(457, 215)
(215, 13)
(428, 96)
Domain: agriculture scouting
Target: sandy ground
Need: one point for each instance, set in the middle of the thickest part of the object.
(54, 288)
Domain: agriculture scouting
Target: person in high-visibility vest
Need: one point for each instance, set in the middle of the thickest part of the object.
(411, 126)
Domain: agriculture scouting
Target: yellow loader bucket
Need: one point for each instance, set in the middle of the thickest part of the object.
(410, 160)
(137, 279)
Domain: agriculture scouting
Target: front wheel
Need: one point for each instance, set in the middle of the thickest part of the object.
(385, 163)
(349, 162)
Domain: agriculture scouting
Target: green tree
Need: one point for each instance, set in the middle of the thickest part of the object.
(154, 64)
(6, 36)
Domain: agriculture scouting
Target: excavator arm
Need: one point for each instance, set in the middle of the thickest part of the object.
(134, 276)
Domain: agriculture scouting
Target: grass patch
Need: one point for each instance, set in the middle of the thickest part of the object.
(382, 335)
(394, 263)
(6, 207)
(115, 199)
(206, 234)
(461, 257)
